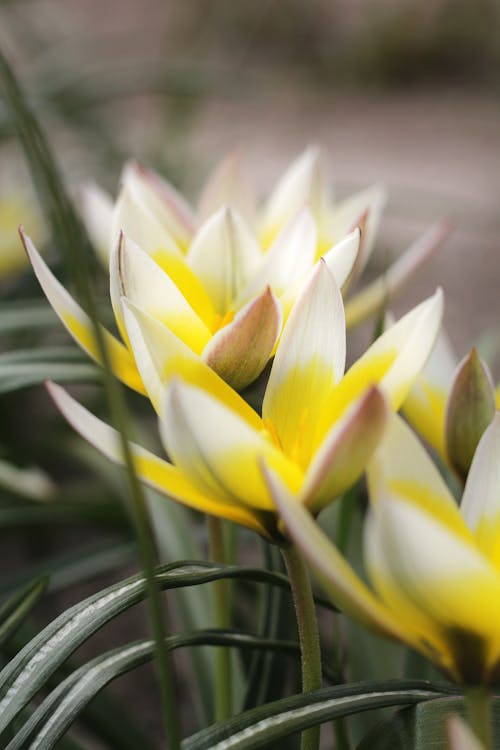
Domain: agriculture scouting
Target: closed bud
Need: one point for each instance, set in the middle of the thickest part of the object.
(469, 411)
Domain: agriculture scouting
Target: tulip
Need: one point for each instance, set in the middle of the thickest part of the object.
(318, 428)
(433, 566)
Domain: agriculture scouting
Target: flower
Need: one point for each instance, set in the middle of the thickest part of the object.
(318, 428)
(12, 207)
(208, 279)
(434, 567)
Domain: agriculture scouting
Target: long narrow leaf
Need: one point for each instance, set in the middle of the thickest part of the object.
(60, 709)
(18, 606)
(274, 721)
(29, 670)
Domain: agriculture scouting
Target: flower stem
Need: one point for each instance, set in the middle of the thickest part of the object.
(222, 611)
(308, 632)
(478, 703)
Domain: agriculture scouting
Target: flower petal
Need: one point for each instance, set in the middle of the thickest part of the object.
(393, 361)
(363, 208)
(344, 586)
(373, 297)
(228, 184)
(239, 351)
(303, 184)
(401, 465)
(150, 469)
(425, 405)
(160, 355)
(79, 325)
(285, 264)
(96, 210)
(460, 736)
(341, 258)
(134, 218)
(218, 450)
(443, 577)
(135, 275)
(481, 499)
(345, 452)
(309, 361)
(223, 255)
(163, 200)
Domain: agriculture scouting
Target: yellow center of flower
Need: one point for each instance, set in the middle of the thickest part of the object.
(219, 321)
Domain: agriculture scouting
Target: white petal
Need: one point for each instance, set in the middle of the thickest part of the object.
(341, 258)
(218, 450)
(224, 254)
(96, 209)
(228, 184)
(309, 361)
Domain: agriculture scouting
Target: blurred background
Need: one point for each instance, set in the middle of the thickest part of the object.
(397, 92)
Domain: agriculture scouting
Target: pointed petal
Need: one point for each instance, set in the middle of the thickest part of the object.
(345, 452)
(165, 203)
(134, 218)
(402, 466)
(224, 254)
(285, 264)
(309, 361)
(303, 184)
(393, 361)
(135, 275)
(445, 578)
(228, 184)
(240, 350)
(79, 325)
(150, 469)
(363, 208)
(425, 405)
(344, 586)
(481, 499)
(341, 258)
(160, 355)
(370, 300)
(218, 450)
(96, 210)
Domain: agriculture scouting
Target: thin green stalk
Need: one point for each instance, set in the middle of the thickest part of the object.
(307, 625)
(222, 612)
(478, 703)
(68, 230)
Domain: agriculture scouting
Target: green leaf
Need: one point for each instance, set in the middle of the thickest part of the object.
(422, 727)
(29, 670)
(26, 314)
(275, 721)
(60, 709)
(17, 607)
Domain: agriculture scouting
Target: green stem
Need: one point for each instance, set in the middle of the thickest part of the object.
(68, 230)
(222, 612)
(307, 624)
(478, 703)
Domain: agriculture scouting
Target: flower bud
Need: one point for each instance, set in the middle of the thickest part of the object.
(470, 409)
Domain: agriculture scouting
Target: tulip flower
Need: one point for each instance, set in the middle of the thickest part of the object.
(433, 566)
(319, 425)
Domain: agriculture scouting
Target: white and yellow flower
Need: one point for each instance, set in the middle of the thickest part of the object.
(435, 568)
(319, 425)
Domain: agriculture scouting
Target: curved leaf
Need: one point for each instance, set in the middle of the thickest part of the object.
(18, 606)
(274, 721)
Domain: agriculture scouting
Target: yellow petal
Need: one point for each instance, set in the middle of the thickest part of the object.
(309, 361)
(345, 452)
(239, 351)
(160, 355)
(135, 275)
(481, 499)
(79, 325)
(218, 450)
(150, 469)
(224, 254)
(228, 184)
